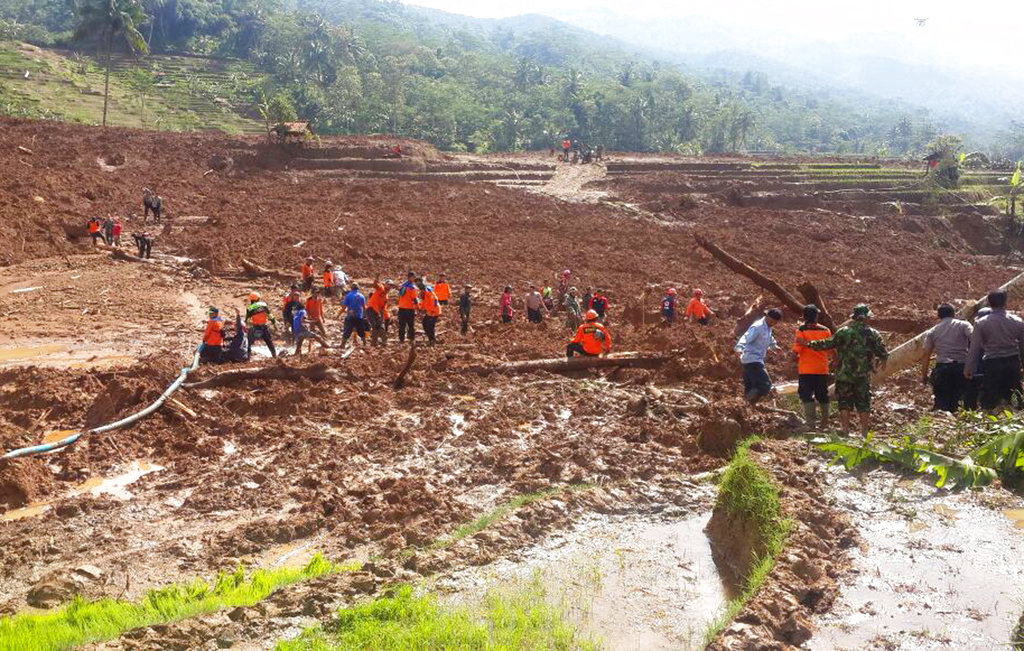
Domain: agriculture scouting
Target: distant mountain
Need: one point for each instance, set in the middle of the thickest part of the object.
(978, 102)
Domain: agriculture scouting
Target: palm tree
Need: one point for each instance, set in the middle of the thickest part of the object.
(105, 20)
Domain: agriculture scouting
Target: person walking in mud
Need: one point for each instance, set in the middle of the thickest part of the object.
(377, 311)
(573, 312)
(431, 308)
(308, 274)
(599, 303)
(117, 233)
(354, 305)
(144, 243)
(292, 301)
(407, 305)
(563, 287)
(212, 350)
(259, 318)
(506, 305)
(534, 305)
(997, 347)
(315, 312)
(465, 308)
(95, 230)
(949, 341)
(668, 307)
(753, 347)
(973, 388)
(859, 351)
(301, 331)
(443, 290)
(108, 230)
(812, 369)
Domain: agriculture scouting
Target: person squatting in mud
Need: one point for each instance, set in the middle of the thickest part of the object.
(212, 351)
(144, 242)
(859, 351)
(753, 347)
(697, 310)
(591, 338)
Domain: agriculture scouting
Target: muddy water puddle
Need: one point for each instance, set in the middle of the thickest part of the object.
(62, 356)
(939, 570)
(116, 487)
(634, 582)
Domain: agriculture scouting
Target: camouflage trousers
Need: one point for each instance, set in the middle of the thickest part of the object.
(854, 395)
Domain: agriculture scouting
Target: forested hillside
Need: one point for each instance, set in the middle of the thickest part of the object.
(362, 66)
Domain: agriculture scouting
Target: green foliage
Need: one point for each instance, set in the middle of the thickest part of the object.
(81, 621)
(514, 618)
(749, 493)
(367, 66)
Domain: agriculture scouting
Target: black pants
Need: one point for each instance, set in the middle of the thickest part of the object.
(352, 323)
(756, 381)
(406, 323)
(972, 391)
(534, 316)
(307, 283)
(261, 332)
(145, 246)
(211, 354)
(576, 349)
(506, 316)
(96, 236)
(1002, 381)
(948, 383)
(465, 324)
(813, 388)
(429, 327)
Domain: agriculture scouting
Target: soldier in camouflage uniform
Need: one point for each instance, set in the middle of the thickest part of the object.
(859, 351)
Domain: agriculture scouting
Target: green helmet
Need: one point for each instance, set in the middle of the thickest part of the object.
(861, 311)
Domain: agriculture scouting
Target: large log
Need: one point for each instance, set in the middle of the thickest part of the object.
(317, 372)
(400, 378)
(788, 300)
(812, 296)
(562, 365)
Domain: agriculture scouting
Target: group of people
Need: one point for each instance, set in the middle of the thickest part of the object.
(108, 231)
(574, 151)
(976, 365)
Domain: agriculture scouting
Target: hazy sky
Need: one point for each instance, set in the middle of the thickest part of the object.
(969, 33)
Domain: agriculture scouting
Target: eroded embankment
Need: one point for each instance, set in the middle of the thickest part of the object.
(774, 533)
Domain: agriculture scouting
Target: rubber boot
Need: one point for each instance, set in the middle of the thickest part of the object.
(823, 415)
(809, 415)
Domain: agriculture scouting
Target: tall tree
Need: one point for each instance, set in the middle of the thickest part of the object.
(106, 20)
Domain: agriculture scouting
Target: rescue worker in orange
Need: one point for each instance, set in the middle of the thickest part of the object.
(315, 312)
(430, 306)
(377, 312)
(443, 290)
(812, 366)
(329, 289)
(697, 310)
(307, 274)
(591, 338)
(407, 303)
(258, 316)
(94, 230)
(213, 338)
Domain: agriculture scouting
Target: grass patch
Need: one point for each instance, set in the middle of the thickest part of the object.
(81, 621)
(500, 512)
(749, 492)
(518, 617)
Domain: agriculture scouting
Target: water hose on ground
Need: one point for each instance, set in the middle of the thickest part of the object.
(62, 443)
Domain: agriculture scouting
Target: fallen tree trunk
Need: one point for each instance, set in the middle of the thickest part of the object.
(400, 379)
(812, 296)
(254, 270)
(562, 365)
(788, 300)
(317, 373)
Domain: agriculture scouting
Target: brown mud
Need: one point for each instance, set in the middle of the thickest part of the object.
(350, 465)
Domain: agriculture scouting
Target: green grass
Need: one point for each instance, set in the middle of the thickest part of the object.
(516, 617)
(81, 621)
(749, 493)
(193, 93)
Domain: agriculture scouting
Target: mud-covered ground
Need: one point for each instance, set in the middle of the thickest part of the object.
(269, 471)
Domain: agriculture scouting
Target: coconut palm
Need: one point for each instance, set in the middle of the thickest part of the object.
(105, 20)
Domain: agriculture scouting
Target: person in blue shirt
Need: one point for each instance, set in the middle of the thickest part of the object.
(354, 304)
(301, 331)
(753, 347)
(668, 306)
